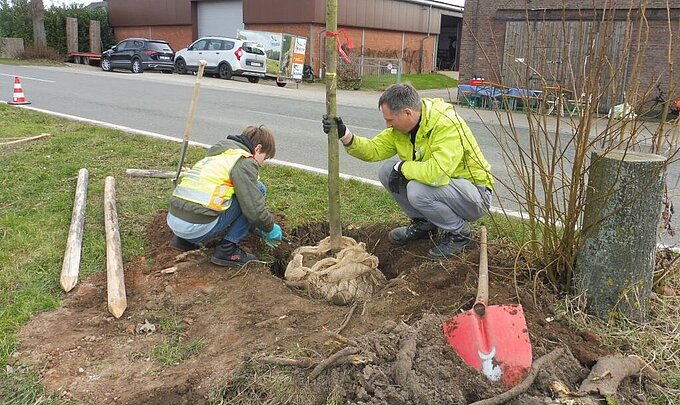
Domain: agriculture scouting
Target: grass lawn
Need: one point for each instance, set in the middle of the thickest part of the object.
(36, 62)
(425, 81)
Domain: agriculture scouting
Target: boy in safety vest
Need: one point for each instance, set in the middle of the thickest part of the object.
(222, 192)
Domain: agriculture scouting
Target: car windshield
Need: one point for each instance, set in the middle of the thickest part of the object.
(159, 47)
(252, 47)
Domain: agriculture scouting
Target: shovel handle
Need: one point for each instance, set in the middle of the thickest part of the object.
(483, 282)
(190, 120)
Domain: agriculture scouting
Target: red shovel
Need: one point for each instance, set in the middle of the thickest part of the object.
(493, 339)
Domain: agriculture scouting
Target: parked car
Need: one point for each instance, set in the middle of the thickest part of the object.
(138, 55)
(225, 57)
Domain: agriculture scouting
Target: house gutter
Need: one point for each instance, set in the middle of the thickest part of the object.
(437, 4)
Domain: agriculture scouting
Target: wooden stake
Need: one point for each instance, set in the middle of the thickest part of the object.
(115, 279)
(30, 138)
(150, 173)
(74, 244)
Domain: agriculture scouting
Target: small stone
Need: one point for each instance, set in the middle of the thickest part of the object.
(81, 370)
(9, 370)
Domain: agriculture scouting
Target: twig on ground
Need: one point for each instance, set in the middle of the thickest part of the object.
(335, 359)
(341, 339)
(30, 138)
(304, 362)
(348, 317)
(524, 385)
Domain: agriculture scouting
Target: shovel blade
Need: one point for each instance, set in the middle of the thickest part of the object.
(496, 343)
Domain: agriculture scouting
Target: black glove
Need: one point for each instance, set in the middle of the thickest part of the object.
(396, 179)
(326, 122)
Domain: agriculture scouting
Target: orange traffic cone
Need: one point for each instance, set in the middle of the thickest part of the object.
(18, 97)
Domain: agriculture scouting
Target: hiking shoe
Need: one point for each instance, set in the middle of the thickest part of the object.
(451, 245)
(183, 245)
(230, 254)
(419, 228)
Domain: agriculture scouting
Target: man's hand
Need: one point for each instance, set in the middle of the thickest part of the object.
(397, 179)
(273, 237)
(326, 122)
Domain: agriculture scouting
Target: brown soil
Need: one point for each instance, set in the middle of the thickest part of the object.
(236, 317)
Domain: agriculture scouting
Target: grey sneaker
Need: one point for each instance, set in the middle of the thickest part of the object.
(418, 229)
(451, 245)
(230, 254)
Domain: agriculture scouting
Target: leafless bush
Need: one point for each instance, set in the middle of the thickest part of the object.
(581, 65)
(44, 53)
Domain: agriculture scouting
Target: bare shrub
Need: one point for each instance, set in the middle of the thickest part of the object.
(40, 52)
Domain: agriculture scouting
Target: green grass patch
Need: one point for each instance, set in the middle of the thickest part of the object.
(424, 81)
(22, 386)
(30, 62)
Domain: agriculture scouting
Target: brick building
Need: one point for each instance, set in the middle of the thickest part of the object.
(530, 43)
(423, 33)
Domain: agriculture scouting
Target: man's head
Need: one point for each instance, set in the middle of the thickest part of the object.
(400, 105)
(263, 141)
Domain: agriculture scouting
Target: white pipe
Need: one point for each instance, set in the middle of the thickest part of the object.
(437, 4)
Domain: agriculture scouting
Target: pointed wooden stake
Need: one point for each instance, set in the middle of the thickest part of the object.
(74, 244)
(115, 280)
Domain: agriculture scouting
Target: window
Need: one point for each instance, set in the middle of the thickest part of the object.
(215, 45)
(159, 47)
(227, 45)
(200, 45)
(253, 47)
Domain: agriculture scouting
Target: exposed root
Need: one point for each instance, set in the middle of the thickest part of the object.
(610, 371)
(348, 317)
(304, 362)
(524, 385)
(404, 363)
(341, 357)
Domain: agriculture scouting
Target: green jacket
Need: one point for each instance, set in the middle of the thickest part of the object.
(244, 175)
(444, 148)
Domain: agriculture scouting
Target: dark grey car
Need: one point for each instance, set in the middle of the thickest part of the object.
(138, 55)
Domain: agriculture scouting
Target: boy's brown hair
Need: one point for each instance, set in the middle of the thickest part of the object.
(261, 136)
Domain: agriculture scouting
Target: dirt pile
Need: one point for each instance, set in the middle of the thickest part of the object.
(213, 324)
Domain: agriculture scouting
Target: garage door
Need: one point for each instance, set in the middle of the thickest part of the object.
(220, 18)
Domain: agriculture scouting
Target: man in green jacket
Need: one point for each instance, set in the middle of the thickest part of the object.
(439, 178)
(222, 196)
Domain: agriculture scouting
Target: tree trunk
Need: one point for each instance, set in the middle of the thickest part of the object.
(615, 265)
(38, 17)
(331, 111)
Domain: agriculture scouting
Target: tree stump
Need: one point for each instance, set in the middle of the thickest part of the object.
(615, 265)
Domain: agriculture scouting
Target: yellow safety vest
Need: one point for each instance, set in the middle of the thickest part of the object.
(208, 182)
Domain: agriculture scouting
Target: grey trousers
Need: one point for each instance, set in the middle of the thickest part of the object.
(450, 207)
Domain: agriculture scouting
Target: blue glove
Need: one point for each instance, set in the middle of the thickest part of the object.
(273, 237)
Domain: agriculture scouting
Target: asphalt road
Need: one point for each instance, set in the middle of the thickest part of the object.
(159, 103)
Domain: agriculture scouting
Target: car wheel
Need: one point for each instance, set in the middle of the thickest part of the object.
(181, 66)
(137, 66)
(281, 84)
(253, 79)
(224, 71)
(106, 65)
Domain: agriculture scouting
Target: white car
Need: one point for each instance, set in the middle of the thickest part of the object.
(225, 57)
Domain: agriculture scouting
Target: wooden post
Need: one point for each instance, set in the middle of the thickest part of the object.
(71, 34)
(331, 110)
(115, 279)
(150, 173)
(71, 265)
(615, 265)
(95, 36)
